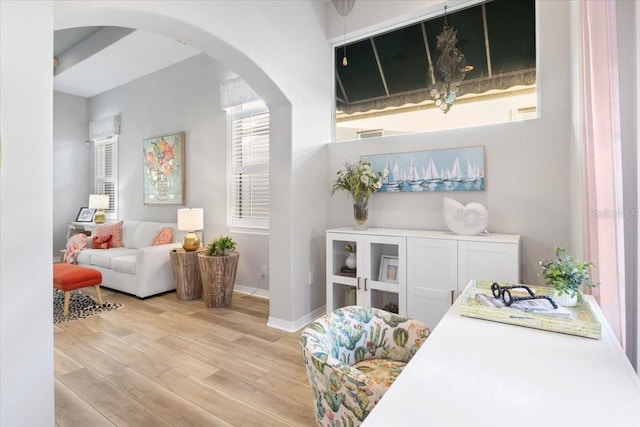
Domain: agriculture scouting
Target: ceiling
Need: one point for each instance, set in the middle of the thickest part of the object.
(93, 60)
(393, 68)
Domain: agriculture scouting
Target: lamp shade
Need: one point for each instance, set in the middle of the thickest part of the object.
(190, 219)
(99, 201)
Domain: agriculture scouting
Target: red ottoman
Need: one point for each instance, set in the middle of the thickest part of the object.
(68, 277)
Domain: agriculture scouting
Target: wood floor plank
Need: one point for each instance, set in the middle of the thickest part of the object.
(144, 363)
(164, 361)
(170, 406)
(73, 411)
(290, 389)
(86, 355)
(289, 411)
(176, 357)
(110, 400)
(218, 357)
(232, 410)
(63, 364)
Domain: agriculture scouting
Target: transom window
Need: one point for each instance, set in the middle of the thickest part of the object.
(386, 88)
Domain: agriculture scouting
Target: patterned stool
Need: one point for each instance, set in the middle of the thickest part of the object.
(68, 277)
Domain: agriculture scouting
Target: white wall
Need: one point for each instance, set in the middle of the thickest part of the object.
(26, 309)
(182, 97)
(71, 163)
(527, 163)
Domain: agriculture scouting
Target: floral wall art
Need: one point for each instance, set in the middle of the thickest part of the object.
(455, 169)
(164, 172)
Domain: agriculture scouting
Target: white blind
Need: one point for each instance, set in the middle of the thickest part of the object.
(106, 172)
(250, 168)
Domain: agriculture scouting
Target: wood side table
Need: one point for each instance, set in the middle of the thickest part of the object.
(186, 273)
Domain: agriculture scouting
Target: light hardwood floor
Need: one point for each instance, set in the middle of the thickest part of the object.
(167, 362)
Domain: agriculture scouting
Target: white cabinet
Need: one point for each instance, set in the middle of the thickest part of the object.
(441, 266)
(365, 286)
(432, 266)
(429, 269)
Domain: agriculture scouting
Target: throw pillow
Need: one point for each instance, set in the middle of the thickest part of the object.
(101, 242)
(164, 236)
(115, 230)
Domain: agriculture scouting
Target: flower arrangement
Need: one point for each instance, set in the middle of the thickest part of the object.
(159, 160)
(566, 274)
(221, 246)
(359, 179)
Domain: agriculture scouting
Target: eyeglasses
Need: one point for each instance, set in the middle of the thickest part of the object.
(505, 293)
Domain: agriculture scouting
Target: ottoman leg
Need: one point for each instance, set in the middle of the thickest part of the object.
(67, 297)
(98, 294)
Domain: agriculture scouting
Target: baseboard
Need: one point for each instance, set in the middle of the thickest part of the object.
(295, 326)
(248, 290)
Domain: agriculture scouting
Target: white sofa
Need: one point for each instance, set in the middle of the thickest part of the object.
(137, 268)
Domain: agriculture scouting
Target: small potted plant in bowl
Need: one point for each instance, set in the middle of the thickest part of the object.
(221, 246)
(566, 274)
(218, 267)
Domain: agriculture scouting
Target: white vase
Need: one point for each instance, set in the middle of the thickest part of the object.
(351, 260)
(565, 300)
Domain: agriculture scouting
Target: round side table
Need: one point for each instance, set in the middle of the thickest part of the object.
(186, 273)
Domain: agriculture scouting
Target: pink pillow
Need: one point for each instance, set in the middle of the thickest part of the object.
(163, 236)
(101, 242)
(115, 230)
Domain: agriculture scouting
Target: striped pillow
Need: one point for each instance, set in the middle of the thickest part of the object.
(115, 230)
(163, 236)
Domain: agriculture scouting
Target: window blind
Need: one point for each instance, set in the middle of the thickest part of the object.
(250, 168)
(106, 172)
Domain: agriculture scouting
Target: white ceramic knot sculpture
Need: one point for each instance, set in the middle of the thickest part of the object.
(466, 220)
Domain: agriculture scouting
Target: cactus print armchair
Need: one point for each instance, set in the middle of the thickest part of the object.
(352, 356)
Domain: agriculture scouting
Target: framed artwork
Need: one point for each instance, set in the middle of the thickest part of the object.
(454, 169)
(388, 269)
(85, 215)
(164, 171)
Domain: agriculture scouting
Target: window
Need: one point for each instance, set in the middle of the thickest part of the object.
(249, 161)
(106, 172)
(386, 88)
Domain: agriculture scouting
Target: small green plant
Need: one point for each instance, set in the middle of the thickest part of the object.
(221, 246)
(566, 274)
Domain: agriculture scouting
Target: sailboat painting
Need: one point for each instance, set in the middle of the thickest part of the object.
(455, 169)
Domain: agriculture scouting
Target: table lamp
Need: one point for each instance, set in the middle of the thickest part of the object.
(190, 220)
(99, 202)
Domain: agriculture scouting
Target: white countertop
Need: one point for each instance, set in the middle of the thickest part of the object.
(473, 372)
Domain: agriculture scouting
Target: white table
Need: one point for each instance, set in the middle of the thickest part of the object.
(473, 372)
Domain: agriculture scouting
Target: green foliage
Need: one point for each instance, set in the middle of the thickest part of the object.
(359, 179)
(566, 274)
(221, 246)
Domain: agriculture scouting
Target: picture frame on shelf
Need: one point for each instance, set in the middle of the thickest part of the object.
(85, 214)
(388, 269)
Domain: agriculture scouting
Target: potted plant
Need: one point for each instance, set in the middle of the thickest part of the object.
(360, 180)
(221, 246)
(566, 274)
(218, 268)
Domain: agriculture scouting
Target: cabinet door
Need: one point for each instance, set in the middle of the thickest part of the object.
(342, 285)
(384, 282)
(498, 262)
(432, 269)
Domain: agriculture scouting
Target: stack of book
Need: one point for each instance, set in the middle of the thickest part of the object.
(349, 272)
